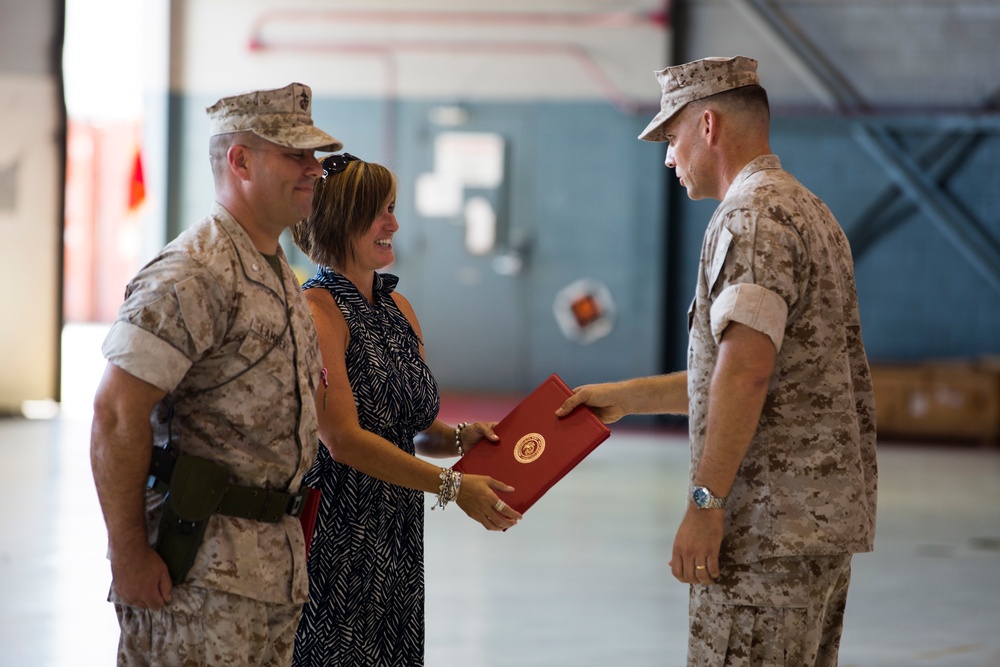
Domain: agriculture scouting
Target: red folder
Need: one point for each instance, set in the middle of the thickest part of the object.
(536, 447)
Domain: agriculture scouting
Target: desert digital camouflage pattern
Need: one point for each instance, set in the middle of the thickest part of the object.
(230, 631)
(696, 80)
(775, 259)
(773, 612)
(282, 116)
(198, 314)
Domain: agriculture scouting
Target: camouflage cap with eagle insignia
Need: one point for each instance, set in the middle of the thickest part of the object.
(282, 116)
(696, 80)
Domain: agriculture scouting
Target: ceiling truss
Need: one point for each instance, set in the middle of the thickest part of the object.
(916, 180)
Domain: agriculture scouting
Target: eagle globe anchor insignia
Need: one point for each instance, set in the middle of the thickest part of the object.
(529, 448)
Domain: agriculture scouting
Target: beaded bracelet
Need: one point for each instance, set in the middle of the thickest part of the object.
(458, 438)
(451, 483)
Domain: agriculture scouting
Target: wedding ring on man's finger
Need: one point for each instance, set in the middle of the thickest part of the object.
(699, 567)
(499, 507)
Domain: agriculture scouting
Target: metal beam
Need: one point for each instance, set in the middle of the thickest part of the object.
(969, 238)
(890, 209)
(799, 54)
(978, 247)
(917, 121)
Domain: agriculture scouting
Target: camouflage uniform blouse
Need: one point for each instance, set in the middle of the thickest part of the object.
(204, 309)
(775, 259)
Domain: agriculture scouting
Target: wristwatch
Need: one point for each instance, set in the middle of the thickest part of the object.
(705, 499)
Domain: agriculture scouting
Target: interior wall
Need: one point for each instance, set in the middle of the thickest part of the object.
(32, 154)
(568, 88)
(920, 297)
(566, 85)
(888, 112)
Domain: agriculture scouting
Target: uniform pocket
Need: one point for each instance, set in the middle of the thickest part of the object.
(719, 258)
(266, 355)
(773, 582)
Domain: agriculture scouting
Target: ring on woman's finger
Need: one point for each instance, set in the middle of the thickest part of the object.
(699, 567)
(500, 505)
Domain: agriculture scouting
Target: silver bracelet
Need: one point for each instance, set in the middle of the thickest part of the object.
(451, 483)
(458, 438)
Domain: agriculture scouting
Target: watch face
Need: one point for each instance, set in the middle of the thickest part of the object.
(704, 499)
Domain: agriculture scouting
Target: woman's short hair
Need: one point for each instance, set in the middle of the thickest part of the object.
(345, 205)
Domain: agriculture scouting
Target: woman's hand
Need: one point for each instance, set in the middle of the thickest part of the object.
(473, 434)
(479, 498)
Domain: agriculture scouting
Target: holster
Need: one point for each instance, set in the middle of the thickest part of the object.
(196, 489)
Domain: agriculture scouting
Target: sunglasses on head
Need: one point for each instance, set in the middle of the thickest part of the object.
(334, 164)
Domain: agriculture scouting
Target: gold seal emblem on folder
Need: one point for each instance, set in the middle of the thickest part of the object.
(529, 447)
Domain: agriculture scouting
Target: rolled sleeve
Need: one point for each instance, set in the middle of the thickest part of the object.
(143, 355)
(752, 305)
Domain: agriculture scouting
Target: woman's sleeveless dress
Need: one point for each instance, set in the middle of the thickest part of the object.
(366, 561)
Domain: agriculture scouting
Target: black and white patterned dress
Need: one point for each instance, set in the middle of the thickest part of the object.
(366, 561)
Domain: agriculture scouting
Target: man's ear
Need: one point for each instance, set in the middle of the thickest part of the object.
(709, 125)
(238, 158)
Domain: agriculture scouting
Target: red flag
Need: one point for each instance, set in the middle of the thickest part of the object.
(137, 190)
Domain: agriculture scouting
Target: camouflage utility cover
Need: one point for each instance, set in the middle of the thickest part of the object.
(205, 309)
(282, 116)
(682, 84)
(775, 259)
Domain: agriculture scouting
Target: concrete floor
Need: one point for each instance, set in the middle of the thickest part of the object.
(582, 581)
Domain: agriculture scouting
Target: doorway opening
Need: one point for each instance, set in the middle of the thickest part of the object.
(104, 61)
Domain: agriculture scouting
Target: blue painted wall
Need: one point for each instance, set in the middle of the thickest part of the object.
(582, 196)
(920, 297)
(589, 200)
